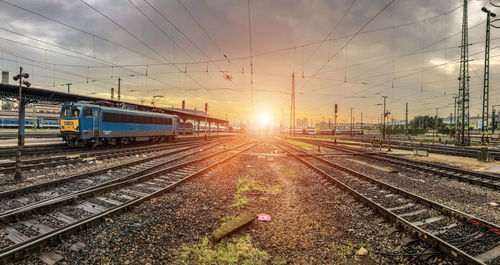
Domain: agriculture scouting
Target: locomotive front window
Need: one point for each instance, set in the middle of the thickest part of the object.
(87, 112)
(75, 112)
(65, 112)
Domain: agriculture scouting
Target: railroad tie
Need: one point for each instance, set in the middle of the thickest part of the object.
(110, 201)
(490, 254)
(33, 224)
(428, 221)
(62, 217)
(91, 207)
(13, 235)
(417, 212)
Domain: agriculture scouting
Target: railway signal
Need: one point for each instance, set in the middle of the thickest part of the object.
(20, 120)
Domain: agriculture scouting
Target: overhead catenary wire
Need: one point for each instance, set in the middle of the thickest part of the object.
(331, 31)
(135, 37)
(350, 39)
(250, 49)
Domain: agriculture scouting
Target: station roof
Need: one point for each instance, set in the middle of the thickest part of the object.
(38, 95)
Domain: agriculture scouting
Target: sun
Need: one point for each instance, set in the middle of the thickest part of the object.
(264, 119)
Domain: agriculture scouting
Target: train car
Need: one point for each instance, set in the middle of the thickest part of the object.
(90, 124)
(14, 123)
(48, 124)
(187, 126)
(326, 132)
(349, 132)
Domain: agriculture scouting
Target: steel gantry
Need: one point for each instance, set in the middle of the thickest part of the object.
(463, 133)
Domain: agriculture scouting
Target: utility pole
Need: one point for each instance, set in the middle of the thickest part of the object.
(463, 133)
(292, 107)
(335, 125)
(483, 155)
(406, 119)
(451, 122)
(69, 85)
(383, 121)
(361, 126)
(435, 125)
(455, 115)
(119, 85)
(351, 123)
(112, 93)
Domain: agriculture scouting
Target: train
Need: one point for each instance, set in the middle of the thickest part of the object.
(29, 123)
(89, 124)
(191, 128)
(329, 132)
(186, 127)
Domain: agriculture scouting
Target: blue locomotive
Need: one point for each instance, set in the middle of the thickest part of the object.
(90, 124)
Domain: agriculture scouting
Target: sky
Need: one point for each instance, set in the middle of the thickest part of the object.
(345, 52)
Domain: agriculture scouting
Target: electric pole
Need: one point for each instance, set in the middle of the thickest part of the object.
(435, 125)
(455, 115)
(483, 156)
(463, 133)
(119, 84)
(112, 93)
(335, 125)
(361, 126)
(351, 122)
(69, 85)
(292, 107)
(406, 119)
(383, 121)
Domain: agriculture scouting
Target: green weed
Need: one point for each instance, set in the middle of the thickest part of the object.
(237, 250)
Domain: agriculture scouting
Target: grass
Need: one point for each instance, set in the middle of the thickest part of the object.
(289, 172)
(302, 144)
(247, 184)
(236, 250)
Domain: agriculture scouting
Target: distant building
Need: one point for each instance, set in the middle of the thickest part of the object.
(5, 77)
(322, 125)
(302, 123)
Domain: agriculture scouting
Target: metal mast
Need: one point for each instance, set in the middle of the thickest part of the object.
(463, 134)
(486, 88)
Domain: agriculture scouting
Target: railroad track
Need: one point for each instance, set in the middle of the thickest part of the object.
(36, 151)
(30, 195)
(47, 222)
(52, 161)
(462, 237)
(431, 148)
(491, 181)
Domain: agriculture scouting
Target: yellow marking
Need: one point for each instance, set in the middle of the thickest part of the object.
(69, 125)
(89, 158)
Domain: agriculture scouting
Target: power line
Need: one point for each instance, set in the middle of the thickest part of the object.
(347, 42)
(250, 46)
(164, 33)
(128, 32)
(78, 29)
(331, 31)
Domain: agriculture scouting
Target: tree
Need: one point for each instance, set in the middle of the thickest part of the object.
(426, 122)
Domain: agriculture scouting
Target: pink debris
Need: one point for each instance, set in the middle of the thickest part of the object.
(263, 217)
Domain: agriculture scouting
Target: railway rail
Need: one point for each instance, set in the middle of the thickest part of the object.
(34, 151)
(95, 204)
(491, 181)
(462, 237)
(30, 195)
(80, 157)
(431, 148)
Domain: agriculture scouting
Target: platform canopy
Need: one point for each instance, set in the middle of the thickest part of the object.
(38, 95)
